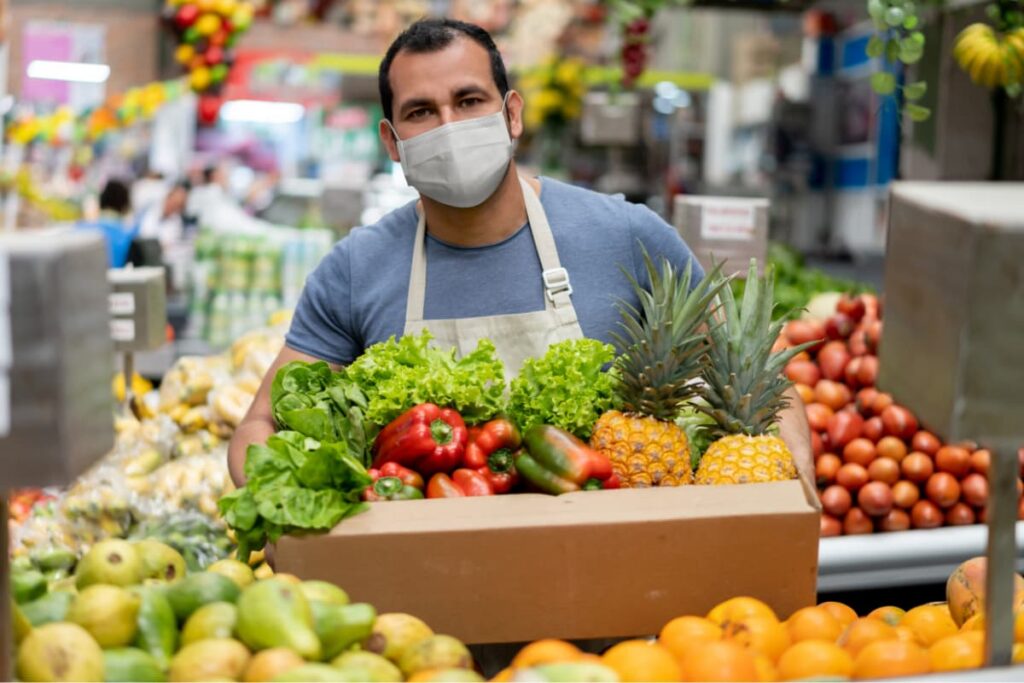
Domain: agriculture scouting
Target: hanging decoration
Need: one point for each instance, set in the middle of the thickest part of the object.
(993, 54)
(65, 126)
(634, 18)
(207, 30)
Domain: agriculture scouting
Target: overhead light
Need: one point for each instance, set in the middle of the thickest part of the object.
(76, 72)
(255, 111)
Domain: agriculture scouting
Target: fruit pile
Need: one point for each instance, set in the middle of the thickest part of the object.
(131, 612)
(206, 31)
(742, 639)
(877, 469)
(992, 58)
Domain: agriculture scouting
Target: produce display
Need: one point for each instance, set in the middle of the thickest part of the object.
(406, 420)
(877, 467)
(167, 470)
(133, 612)
(742, 639)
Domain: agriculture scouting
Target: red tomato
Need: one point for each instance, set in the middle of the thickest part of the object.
(873, 428)
(867, 373)
(852, 307)
(943, 489)
(857, 522)
(917, 467)
(802, 331)
(839, 326)
(896, 520)
(851, 476)
(817, 447)
(836, 500)
(892, 448)
(926, 515)
(805, 393)
(833, 394)
(830, 526)
(865, 398)
(899, 422)
(960, 514)
(882, 401)
(850, 374)
(844, 427)
(953, 459)
(803, 371)
(875, 498)
(832, 359)
(860, 451)
(818, 415)
(926, 442)
(905, 494)
(981, 460)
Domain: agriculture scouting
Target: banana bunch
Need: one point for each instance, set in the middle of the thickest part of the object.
(992, 59)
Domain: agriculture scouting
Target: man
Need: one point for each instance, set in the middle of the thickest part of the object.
(113, 222)
(485, 253)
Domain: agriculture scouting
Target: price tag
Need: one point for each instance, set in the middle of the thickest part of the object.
(122, 303)
(726, 220)
(122, 330)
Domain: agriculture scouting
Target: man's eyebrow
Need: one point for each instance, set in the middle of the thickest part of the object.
(470, 90)
(415, 104)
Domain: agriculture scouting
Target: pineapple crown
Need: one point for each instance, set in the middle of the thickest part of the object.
(662, 341)
(744, 385)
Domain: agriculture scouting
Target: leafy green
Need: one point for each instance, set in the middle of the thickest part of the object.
(294, 484)
(311, 399)
(568, 387)
(399, 374)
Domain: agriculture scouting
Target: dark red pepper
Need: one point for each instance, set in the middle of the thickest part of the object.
(463, 483)
(426, 437)
(500, 470)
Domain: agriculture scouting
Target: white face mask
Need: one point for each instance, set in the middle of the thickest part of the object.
(458, 164)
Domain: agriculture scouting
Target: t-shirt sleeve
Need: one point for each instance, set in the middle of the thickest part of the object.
(322, 324)
(660, 239)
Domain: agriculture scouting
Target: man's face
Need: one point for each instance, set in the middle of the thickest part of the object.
(432, 89)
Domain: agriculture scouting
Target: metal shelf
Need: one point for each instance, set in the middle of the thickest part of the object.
(905, 558)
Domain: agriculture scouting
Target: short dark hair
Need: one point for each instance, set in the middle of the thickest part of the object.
(115, 196)
(433, 35)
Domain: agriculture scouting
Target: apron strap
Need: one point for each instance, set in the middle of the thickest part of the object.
(557, 288)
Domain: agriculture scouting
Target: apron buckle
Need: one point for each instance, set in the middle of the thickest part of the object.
(556, 281)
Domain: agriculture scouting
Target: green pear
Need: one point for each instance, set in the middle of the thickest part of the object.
(275, 613)
(160, 561)
(113, 562)
(60, 652)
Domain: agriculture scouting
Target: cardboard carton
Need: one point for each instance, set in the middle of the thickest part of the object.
(728, 230)
(953, 347)
(583, 565)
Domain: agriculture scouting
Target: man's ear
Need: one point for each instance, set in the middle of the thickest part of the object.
(387, 138)
(515, 114)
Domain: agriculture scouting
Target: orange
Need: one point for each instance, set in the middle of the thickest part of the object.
(548, 651)
(844, 613)
(683, 634)
(977, 623)
(721, 660)
(904, 633)
(961, 651)
(1018, 653)
(889, 614)
(504, 676)
(930, 623)
(735, 609)
(766, 671)
(763, 636)
(814, 623)
(863, 632)
(815, 659)
(887, 658)
(640, 660)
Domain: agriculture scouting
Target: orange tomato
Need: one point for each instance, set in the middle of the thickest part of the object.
(763, 636)
(930, 623)
(958, 652)
(889, 614)
(735, 609)
(844, 613)
(814, 659)
(864, 632)
(888, 658)
(640, 660)
(813, 623)
(721, 660)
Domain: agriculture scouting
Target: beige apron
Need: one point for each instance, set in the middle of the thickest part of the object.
(518, 336)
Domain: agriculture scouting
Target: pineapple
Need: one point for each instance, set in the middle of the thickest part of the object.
(744, 389)
(662, 343)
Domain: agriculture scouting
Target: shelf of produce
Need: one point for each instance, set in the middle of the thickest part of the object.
(905, 558)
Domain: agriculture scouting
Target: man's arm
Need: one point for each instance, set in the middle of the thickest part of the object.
(795, 431)
(258, 423)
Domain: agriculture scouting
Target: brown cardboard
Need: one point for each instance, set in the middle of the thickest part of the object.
(583, 565)
(953, 348)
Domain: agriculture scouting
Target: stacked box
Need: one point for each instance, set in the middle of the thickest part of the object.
(953, 346)
(61, 360)
(732, 230)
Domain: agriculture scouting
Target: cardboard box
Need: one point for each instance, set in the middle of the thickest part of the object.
(953, 347)
(583, 565)
(729, 229)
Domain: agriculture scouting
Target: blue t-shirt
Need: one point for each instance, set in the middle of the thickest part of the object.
(357, 296)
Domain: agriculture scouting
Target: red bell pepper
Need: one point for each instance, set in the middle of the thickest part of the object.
(393, 482)
(491, 437)
(500, 471)
(594, 484)
(462, 483)
(426, 437)
(566, 456)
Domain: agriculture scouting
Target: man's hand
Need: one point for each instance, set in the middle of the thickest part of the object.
(794, 430)
(258, 423)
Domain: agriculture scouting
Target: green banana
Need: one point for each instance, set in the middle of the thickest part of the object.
(158, 627)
